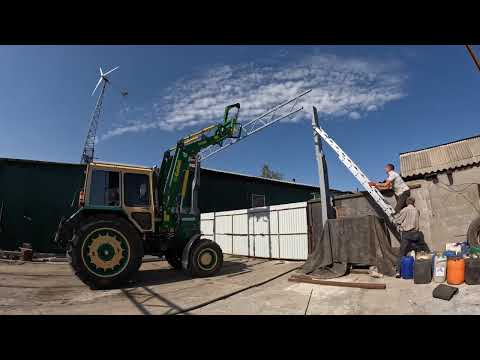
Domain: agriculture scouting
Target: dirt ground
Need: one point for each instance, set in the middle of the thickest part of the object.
(51, 288)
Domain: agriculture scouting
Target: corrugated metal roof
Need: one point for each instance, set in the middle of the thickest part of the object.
(442, 157)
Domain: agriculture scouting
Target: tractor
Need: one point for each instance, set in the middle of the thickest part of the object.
(126, 212)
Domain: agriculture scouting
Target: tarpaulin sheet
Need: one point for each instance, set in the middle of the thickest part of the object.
(358, 240)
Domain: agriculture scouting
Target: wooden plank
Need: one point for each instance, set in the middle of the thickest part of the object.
(359, 271)
(312, 280)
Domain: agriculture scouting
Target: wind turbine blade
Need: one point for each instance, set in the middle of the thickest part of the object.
(98, 83)
(101, 72)
(108, 72)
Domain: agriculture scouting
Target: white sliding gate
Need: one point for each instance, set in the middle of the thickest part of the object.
(278, 232)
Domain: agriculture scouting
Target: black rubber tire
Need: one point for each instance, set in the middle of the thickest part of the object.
(197, 250)
(473, 232)
(174, 259)
(74, 250)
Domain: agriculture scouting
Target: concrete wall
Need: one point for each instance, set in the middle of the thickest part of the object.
(447, 204)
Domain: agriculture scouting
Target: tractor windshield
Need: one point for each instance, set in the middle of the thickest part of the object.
(136, 190)
(105, 188)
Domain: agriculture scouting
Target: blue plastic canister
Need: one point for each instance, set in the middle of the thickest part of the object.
(407, 267)
(449, 253)
(465, 248)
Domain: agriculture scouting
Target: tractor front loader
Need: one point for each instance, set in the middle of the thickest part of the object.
(126, 212)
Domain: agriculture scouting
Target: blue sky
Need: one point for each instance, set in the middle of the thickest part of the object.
(375, 101)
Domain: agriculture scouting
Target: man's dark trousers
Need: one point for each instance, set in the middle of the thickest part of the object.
(411, 240)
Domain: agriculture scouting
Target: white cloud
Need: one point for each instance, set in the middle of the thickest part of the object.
(354, 115)
(341, 87)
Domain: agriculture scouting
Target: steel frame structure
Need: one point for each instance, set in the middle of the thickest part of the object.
(261, 122)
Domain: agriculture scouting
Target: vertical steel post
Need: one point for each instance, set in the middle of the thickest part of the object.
(322, 170)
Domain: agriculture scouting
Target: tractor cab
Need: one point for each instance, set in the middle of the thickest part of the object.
(125, 189)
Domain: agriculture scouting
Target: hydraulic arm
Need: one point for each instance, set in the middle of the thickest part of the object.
(178, 162)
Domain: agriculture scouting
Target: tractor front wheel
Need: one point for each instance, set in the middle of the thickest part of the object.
(206, 258)
(105, 252)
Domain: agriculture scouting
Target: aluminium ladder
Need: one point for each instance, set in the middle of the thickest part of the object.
(359, 175)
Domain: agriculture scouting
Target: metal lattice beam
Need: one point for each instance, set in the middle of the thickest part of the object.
(279, 112)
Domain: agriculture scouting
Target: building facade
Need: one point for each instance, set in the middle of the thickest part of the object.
(35, 195)
(445, 183)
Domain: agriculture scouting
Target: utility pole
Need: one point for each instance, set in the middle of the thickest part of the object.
(322, 170)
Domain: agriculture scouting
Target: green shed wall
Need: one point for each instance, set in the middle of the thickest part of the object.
(44, 192)
(223, 191)
(40, 191)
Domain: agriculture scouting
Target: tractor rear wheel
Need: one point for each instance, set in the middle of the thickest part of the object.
(206, 258)
(105, 252)
(473, 232)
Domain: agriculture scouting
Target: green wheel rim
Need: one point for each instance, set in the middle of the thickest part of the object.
(105, 252)
(207, 259)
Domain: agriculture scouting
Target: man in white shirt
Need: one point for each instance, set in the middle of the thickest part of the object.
(396, 183)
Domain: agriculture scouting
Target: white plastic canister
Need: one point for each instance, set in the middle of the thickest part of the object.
(440, 268)
(453, 247)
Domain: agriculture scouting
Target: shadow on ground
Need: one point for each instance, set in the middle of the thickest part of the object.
(153, 277)
(149, 294)
(165, 276)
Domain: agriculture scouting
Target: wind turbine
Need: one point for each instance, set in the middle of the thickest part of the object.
(89, 147)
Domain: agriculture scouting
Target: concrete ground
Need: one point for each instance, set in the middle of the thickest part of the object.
(51, 288)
